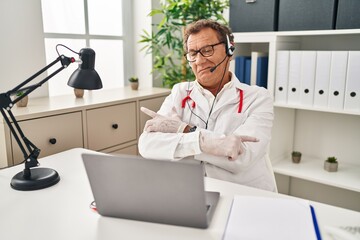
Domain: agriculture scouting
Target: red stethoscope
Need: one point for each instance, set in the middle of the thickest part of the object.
(241, 95)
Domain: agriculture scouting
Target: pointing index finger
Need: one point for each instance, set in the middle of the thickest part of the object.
(249, 139)
(148, 112)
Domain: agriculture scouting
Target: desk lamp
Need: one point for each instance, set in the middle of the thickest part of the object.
(85, 77)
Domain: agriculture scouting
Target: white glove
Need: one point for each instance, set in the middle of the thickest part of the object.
(228, 146)
(160, 123)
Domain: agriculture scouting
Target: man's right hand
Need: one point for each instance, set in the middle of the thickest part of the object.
(228, 146)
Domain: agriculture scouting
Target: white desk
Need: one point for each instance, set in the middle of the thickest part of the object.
(62, 211)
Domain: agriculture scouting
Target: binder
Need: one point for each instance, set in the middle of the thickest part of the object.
(247, 71)
(293, 96)
(265, 218)
(262, 71)
(254, 65)
(352, 89)
(240, 67)
(322, 78)
(307, 80)
(337, 79)
(282, 74)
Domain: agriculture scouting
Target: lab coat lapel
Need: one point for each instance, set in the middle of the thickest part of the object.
(228, 97)
(202, 105)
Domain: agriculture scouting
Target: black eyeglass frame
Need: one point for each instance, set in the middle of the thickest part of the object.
(199, 51)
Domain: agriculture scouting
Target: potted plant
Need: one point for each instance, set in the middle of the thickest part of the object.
(79, 93)
(166, 44)
(296, 156)
(24, 101)
(331, 164)
(134, 83)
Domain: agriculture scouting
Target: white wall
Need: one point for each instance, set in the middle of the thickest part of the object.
(142, 62)
(21, 43)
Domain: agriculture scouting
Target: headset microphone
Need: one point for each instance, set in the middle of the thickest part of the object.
(229, 49)
(214, 67)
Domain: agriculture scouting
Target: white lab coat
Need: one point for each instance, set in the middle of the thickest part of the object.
(255, 120)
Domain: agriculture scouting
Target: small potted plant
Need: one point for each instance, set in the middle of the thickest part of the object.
(134, 83)
(296, 156)
(331, 164)
(79, 93)
(24, 101)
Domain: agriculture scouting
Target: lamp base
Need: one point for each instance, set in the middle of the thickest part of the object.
(40, 178)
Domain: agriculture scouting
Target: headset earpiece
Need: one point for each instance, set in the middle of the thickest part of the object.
(229, 47)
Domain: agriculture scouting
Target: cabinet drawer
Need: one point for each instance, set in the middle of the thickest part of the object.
(64, 131)
(110, 126)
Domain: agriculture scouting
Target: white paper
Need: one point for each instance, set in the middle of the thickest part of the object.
(269, 218)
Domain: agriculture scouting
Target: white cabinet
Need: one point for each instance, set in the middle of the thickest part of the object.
(317, 132)
(104, 120)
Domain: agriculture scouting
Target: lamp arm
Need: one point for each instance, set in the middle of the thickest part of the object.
(29, 150)
(18, 134)
(65, 61)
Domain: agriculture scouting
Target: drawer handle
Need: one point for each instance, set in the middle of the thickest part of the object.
(52, 140)
(115, 126)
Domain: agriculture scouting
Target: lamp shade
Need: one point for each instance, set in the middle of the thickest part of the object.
(85, 77)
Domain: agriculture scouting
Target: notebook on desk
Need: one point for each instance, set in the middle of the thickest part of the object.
(255, 217)
(135, 188)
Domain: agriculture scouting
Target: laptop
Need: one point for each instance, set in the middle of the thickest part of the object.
(167, 192)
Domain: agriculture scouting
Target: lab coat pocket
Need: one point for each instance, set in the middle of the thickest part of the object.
(233, 123)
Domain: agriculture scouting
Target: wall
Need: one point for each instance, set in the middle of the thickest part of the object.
(21, 43)
(142, 62)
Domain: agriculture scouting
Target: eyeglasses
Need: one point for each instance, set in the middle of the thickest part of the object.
(206, 51)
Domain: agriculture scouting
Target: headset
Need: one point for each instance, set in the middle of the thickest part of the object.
(229, 48)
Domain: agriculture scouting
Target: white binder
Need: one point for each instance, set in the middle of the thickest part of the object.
(282, 74)
(307, 80)
(337, 79)
(352, 89)
(322, 78)
(294, 78)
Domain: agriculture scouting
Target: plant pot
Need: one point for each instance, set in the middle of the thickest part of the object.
(134, 85)
(79, 93)
(23, 102)
(330, 167)
(296, 159)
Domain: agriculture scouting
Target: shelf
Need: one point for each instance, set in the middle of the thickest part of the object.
(312, 169)
(269, 35)
(262, 37)
(318, 109)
